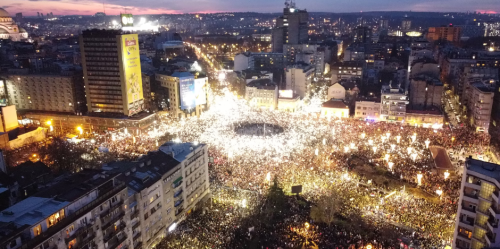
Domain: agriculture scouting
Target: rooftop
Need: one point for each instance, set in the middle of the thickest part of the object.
(179, 150)
(262, 84)
(484, 168)
(335, 103)
(31, 210)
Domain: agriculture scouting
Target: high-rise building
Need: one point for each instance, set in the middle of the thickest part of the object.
(406, 24)
(384, 24)
(112, 72)
(451, 34)
(298, 78)
(363, 34)
(291, 27)
(476, 223)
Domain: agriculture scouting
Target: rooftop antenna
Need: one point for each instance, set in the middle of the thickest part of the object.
(292, 4)
(287, 4)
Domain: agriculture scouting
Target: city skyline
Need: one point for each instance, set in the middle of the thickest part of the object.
(113, 7)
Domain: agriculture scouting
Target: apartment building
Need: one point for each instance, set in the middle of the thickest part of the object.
(262, 93)
(478, 98)
(163, 187)
(39, 92)
(83, 210)
(393, 104)
(478, 211)
(367, 110)
(299, 78)
(125, 205)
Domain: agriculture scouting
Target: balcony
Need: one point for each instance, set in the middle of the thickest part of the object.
(117, 240)
(178, 193)
(179, 202)
(135, 214)
(490, 237)
(137, 224)
(135, 236)
(112, 234)
(81, 232)
(112, 220)
(470, 197)
(138, 245)
(483, 226)
(179, 211)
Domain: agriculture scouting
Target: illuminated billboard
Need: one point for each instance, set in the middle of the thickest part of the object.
(131, 74)
(200, 91)
(127, 20)
(286, 94)
(187, 92)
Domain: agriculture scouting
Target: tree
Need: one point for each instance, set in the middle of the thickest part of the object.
(326, 209)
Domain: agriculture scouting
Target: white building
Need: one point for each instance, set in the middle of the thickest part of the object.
(9, 29)
(336, 91)
(367, 110)
(299, 78)
(334, 108)
(478, 211)
(39, 92)
(243, 61)
(393, 104)
(262, 93)
(312, 54)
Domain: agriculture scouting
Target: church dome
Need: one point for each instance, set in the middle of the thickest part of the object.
(4, 13)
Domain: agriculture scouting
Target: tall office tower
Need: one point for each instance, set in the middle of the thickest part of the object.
(291, 27)
(363, 34)
(112, 72)
(384, 24)
(406, 24)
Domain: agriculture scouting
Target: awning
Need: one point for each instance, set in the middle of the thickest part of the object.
(178, 179)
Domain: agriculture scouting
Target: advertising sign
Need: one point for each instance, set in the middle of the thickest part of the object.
(127, 20)
(187, 92)
(132, 73)
(286, 94)
(200, 92)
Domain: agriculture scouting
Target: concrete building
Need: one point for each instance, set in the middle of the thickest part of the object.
(346, 70)
(474, 74)
(313, 54)
(406, 24)
(429, 118)
(84, 210)
(363, 34)
(367, 110)
(291, 28)
(258, 61)
(262, 93)
(451, 34)
(425, 92)
(334, 108)
(299, 78)
(476, 224)
(163, 187)
(393, 104)
(478, 98)
(40, 92)
(181, 104)
(112, 72)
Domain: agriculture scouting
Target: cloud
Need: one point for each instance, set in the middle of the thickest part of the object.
(44, 0)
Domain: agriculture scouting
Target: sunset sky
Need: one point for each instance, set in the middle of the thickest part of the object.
(113, 7)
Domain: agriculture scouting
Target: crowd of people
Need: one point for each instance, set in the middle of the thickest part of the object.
(316, 153)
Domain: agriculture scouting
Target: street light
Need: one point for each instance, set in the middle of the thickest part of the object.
(419, 179)
(446, 174)
(79, 128)
(398, 137)
(427, 142)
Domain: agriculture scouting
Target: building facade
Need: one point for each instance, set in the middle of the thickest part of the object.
(299, 78)
(112, 72)
(39, 92)
(393, 104)
(451, 34)
(478, 99)
(367, 110)
(476, 224)
(425, 92)
(262, 93)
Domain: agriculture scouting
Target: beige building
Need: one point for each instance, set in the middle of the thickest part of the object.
(393, 104)
(335, 108)
(432, 118)
(367, 110)
(478, 211)
(55, 93)
(478, 99)
(172, 81)
(425, 92)
(299, 78)
(262, 93)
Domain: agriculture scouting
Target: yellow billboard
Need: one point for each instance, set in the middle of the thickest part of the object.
(132, 73)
